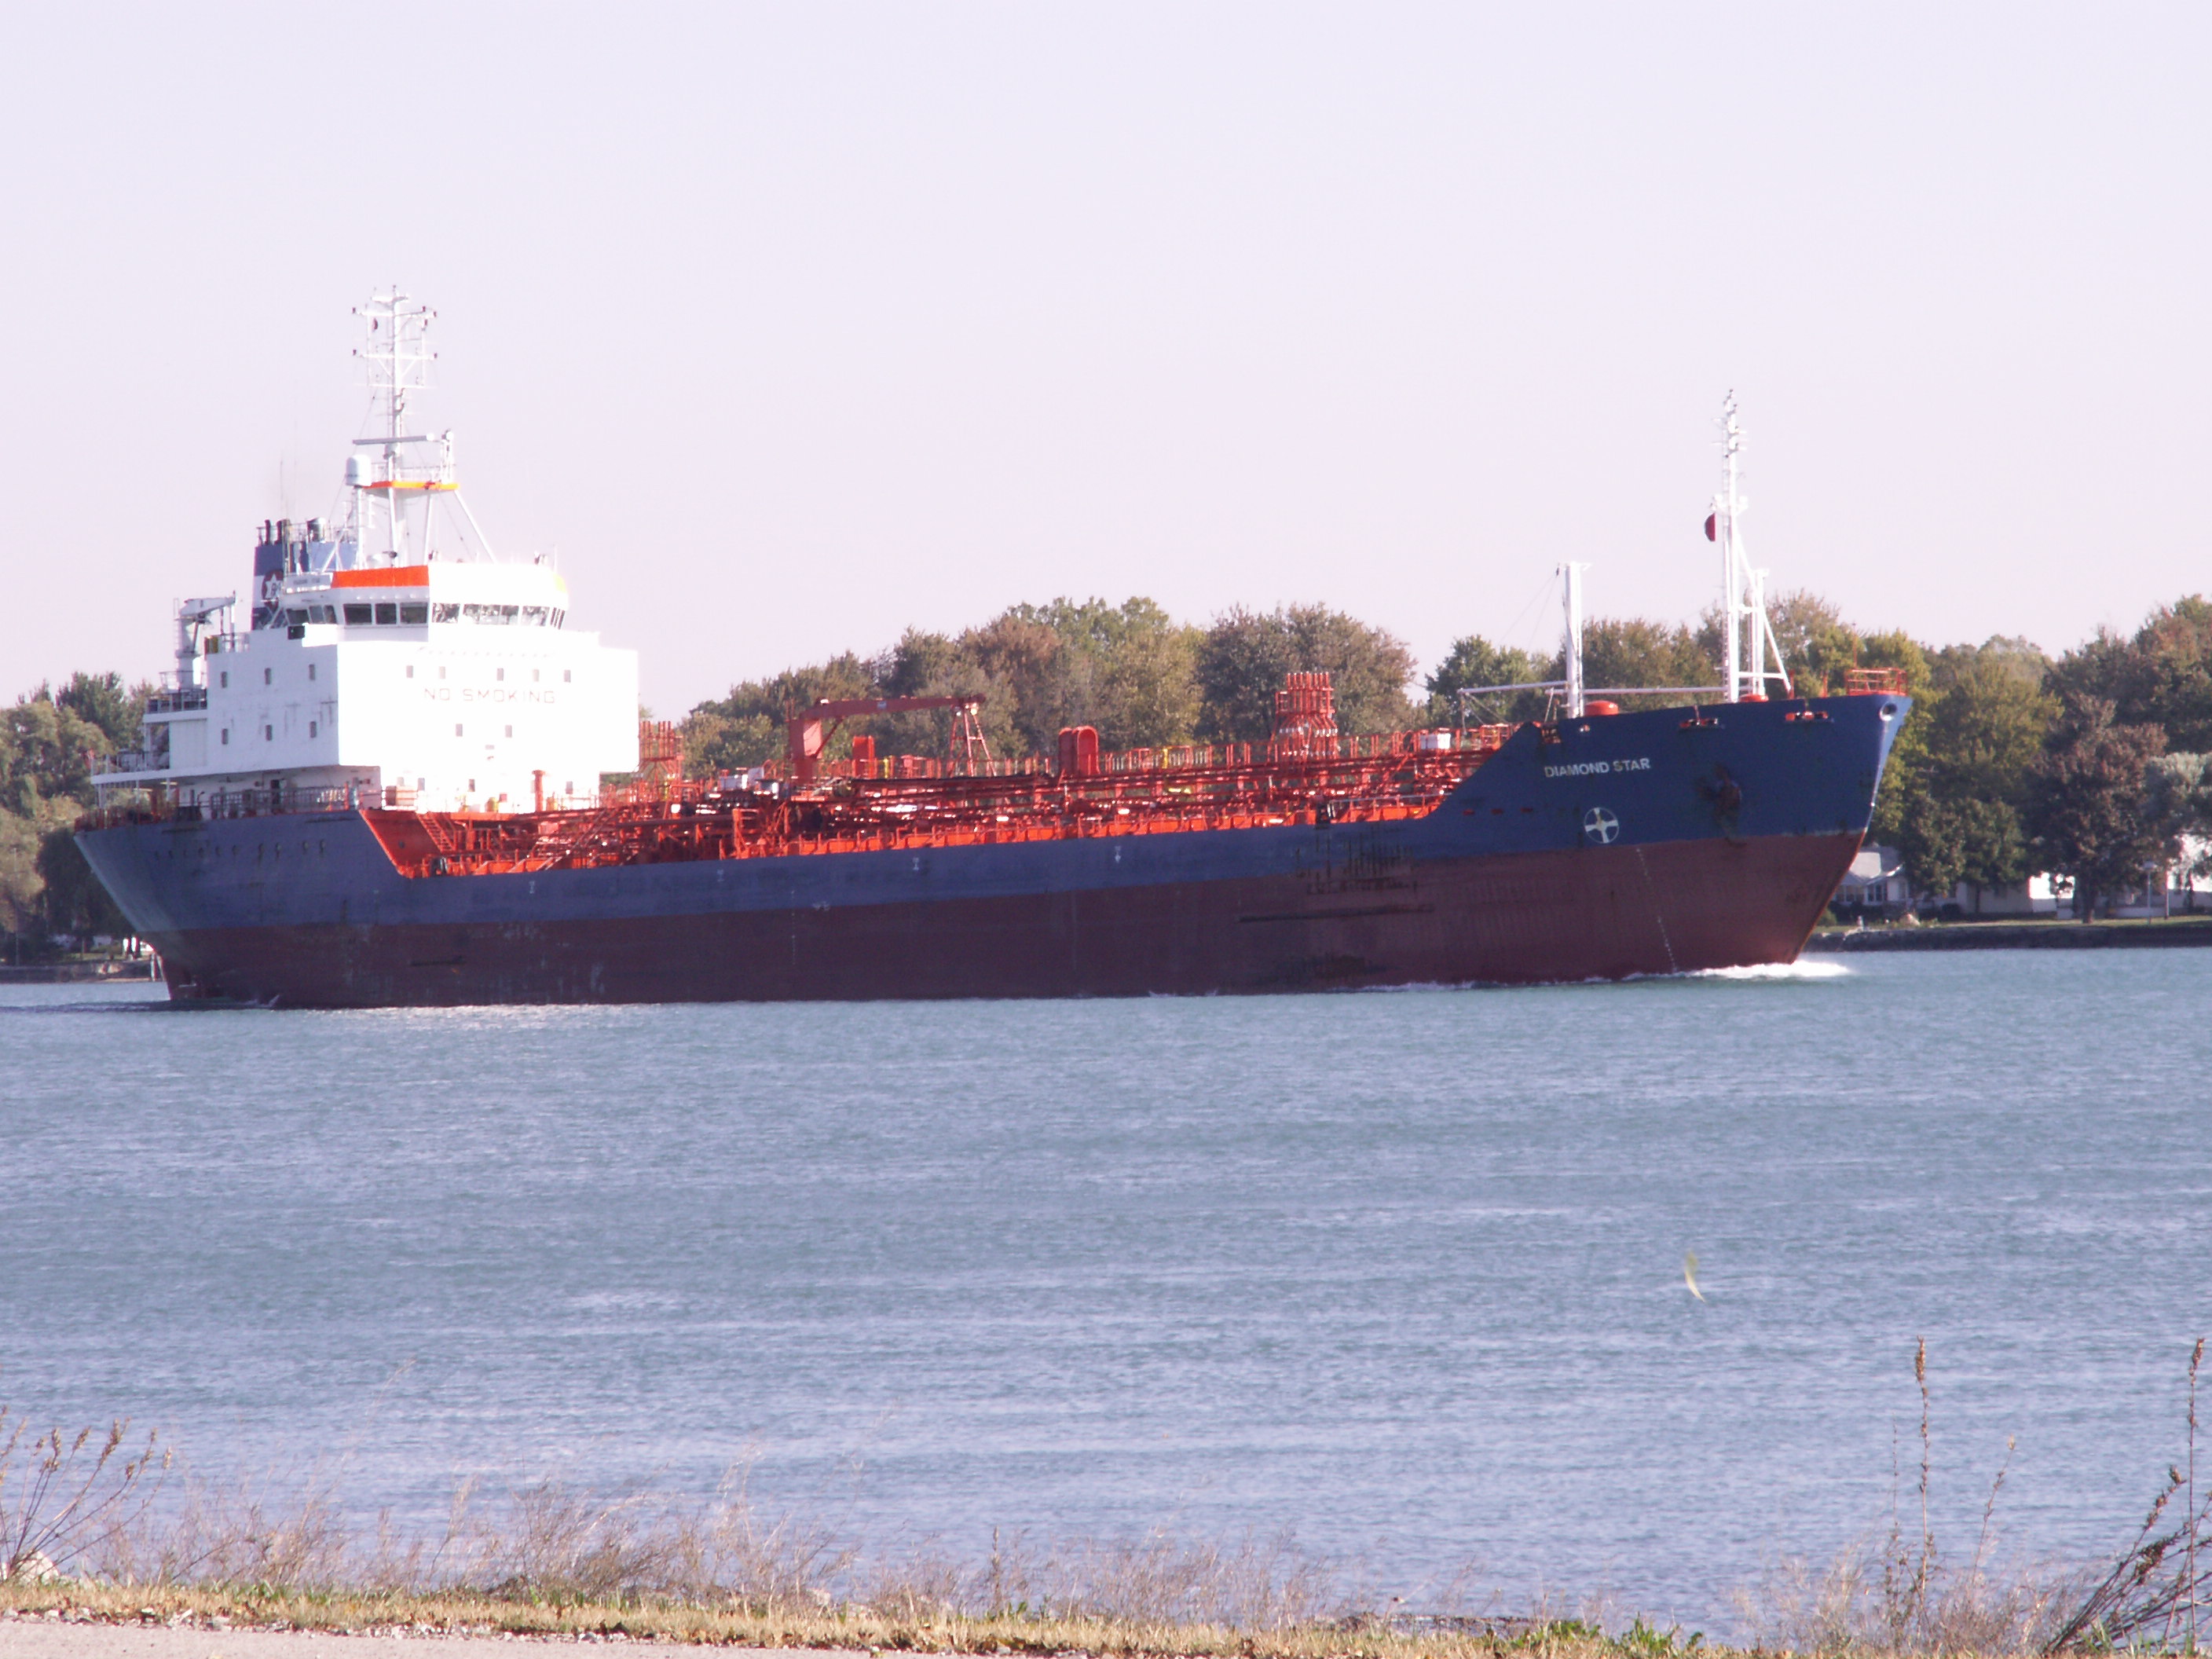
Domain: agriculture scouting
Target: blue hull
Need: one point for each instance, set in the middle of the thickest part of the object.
(1630, 844)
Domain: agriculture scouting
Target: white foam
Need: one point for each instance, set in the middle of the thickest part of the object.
(1799, 969)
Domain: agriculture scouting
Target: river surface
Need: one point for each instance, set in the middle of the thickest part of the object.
(1402, 1274)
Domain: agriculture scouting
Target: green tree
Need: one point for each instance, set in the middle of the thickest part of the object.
(747, 727)
(21, 886)
(2161, 675)
(1632, 650)
(1475, 661)
(2177, 790)
(1958, 779)
(45, 755)
(2090, 802)
(74, 902)
(103, 701)
(47, 747)
(1986, 726)
(1129, 670)
(1245, 654)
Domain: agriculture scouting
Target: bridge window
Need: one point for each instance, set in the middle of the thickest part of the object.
(357, 615)
(445, 613)
(388, 615)
(410, 615)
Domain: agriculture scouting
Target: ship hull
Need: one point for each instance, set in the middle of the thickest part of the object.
(1631, 845)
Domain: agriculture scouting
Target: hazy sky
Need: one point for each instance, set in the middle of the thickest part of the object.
(790, 326)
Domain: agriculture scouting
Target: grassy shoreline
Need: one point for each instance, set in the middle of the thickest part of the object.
(843, 1629)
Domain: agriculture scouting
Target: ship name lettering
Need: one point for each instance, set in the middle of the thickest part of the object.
(1599, 769)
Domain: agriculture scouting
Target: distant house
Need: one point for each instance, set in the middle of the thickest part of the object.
(2039, 895)
(2183, 887)
(1875, 887)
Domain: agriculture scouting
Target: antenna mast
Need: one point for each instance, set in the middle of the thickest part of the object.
(1573, 600)
(1747, 636)
(398, 358)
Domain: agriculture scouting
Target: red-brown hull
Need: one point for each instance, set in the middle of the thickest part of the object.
(1591, 913)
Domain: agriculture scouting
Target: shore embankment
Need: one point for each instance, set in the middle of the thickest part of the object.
(165, 1622)
(2054, 934)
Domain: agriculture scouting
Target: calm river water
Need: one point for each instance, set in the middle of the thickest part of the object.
(1402, 1274)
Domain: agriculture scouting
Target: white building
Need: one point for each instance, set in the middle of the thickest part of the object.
(2039, 895)
(1874, 885)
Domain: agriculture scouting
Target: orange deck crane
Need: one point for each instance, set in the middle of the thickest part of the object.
(808, 730)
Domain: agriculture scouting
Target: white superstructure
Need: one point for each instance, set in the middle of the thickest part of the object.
(390, 659)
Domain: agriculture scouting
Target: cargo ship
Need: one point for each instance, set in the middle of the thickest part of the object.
(405, 781)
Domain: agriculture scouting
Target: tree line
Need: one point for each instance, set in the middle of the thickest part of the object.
(1143, 679)
(47, 740)
(2091, 766)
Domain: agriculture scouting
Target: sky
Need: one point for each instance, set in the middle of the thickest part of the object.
(786, 328)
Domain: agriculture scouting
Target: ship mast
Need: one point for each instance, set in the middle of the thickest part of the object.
(398, 358)
(1572, 573)
(1748, 637)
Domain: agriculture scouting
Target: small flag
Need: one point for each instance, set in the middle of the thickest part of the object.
(1712, 520)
